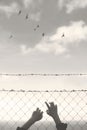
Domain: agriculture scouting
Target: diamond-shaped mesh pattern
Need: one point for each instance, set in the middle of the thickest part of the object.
(16, 108)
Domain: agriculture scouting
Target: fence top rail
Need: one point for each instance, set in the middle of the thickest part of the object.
(21, 90)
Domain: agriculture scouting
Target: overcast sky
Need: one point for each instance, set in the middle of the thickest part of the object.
(24, 49)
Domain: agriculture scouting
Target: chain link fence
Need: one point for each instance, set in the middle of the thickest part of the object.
(16, 106)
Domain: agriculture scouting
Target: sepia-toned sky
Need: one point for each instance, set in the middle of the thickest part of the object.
(24, 49)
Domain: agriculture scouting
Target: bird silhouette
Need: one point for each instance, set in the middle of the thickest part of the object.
(26, 16)
(63, 35)
(11, 36)
(19, 12)
(38, 26)
(34, 29)
(43, 34)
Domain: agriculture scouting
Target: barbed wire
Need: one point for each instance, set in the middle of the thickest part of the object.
(43, 74)
(63, 90)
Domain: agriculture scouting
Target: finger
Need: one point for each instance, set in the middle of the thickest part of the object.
(42, 113)
(47, 112)
(47, 105)
(56, 106)
(51, 103)
(37, 109)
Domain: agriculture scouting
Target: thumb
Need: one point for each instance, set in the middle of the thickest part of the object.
(47, 112)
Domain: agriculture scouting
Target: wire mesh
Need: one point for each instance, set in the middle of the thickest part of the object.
(16, 107)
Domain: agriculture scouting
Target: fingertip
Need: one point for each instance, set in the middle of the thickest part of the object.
(56, 105)
(52, 103)
(42, 112)
(47, 111)
(47, 104)
(37, 109)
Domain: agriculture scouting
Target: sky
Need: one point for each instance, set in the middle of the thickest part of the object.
(57, 45)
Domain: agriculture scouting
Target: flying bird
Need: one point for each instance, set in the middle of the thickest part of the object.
(38, 26)
(34, 29)
(26, 16)
(11, 36)
(43, 34)
(19, 12)
(63, 35)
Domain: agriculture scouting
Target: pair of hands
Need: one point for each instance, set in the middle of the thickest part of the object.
(51, 111)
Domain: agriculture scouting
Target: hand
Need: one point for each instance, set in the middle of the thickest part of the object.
(52, 109)
(37, 115)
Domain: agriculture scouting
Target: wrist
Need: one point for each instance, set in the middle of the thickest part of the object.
(32, 120)
(28, 124)
(57, 119)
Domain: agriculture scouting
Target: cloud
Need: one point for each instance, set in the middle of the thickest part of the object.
(44, 47)
(72, 4)
(35, 17)
(27, 3)
(61, 4)
(9, 9)
(32, 3)
(75, 33)
(7, 48)
(25, 50)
